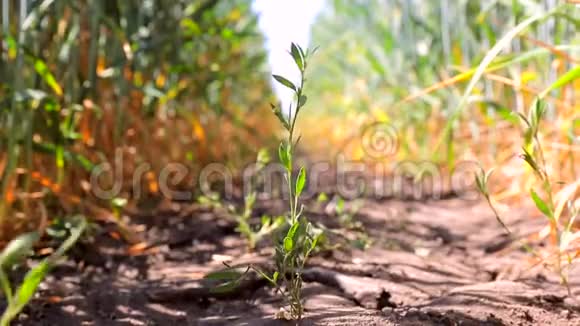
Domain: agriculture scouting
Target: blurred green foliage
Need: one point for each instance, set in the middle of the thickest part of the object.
(82, 79)
(376, 54)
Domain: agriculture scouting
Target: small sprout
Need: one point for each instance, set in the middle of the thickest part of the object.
(18, 249)
(301, 239)
(481, 180)
(322, 197)
(534, 157)
(212, 200)
(267, 224)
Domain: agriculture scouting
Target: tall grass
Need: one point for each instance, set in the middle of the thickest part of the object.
(446, 74)
(455, 78)
(82, 81)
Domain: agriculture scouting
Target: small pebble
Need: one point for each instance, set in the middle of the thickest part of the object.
(565, 313)
(387, 310)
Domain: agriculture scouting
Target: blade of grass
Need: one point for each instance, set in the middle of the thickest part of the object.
(567, 78)
(487, 60)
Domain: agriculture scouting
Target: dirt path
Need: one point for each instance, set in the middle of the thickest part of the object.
(432, 263)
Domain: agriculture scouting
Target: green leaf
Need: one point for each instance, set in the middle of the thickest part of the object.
(30, 284)
(322, 197)
(18, 249)
(485, 65)
(340, 205)
(284, 156)
(6, 288)
(300, 181)
(224, 275)
(288, 244)
(528, 157)
(284, 82)
(302, 101)
(309, 52)
(263, 157)
(314, 242)
(231, 277)
(297, 55)
(42, 69)
(537, 113)
(524, 119)
(565, 79)
(50, 148)
(249, 202)
(12, 46)
(292, 231)
(271, 280)
(226, 287)
(280, 116)
(119, 202)
(506, 114)
(275, 276)
(482, 180)
(541, 205)
(480, 185)
(265, 220)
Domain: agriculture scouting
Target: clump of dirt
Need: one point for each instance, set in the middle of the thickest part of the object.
(429, 263)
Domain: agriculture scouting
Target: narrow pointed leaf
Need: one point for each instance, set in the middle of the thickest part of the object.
(224, 275)
(42, 69)
(541, 204)
(565, 79)
(284, 156)
(280, 116)
(288, 244)
(300, 181)
(297, 56)
(284, 82)
(30, 284)
(302, 101)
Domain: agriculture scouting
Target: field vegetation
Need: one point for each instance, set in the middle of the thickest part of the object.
(109, 110)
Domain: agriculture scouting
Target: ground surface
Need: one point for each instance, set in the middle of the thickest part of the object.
(430, 263)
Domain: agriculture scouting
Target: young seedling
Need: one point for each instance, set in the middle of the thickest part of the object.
(351, 230)
(301, 238)
(347, 220)
(533, 155)
(253, 234)
(15, 252)
(267, 224)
